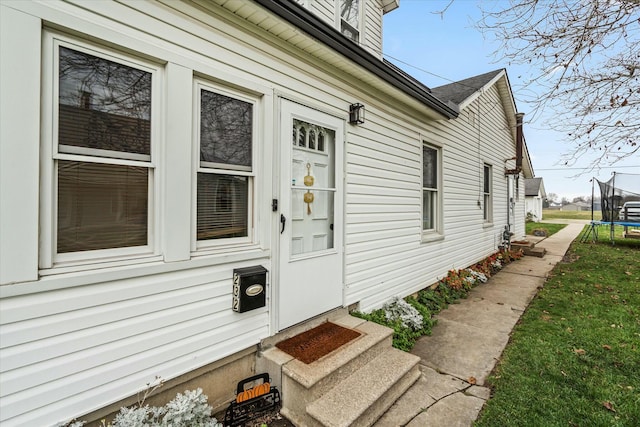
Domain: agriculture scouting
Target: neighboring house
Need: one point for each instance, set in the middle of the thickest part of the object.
(534, 196)
(150, 149)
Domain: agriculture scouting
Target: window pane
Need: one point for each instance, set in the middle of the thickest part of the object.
(487, 179)
(348, 31)
(349, 12)
(226, 126)
(312, 222)
(222, 206)
(487, 207)
(101, 206)
(103, 104)
(428, 209)
(429, 167)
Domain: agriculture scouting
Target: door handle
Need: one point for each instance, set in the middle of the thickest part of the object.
(283, 220)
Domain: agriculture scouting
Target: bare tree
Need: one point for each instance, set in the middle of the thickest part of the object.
(584, 58)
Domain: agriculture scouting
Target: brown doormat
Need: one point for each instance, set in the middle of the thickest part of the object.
(311, 345)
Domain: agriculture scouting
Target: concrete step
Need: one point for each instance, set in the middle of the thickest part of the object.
(528, 248)
(302, 383)
(537, 252)
(522, 244)
(368, 393)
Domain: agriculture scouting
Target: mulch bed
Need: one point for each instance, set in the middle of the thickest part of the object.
(311, 345)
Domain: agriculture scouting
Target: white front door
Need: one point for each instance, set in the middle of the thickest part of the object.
(310, 256)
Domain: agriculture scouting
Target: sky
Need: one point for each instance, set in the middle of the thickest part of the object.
(439, 49)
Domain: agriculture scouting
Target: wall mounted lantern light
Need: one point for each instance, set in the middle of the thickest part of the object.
(356, 114)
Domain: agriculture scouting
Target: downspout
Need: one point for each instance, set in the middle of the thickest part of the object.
(506, 235)
(519, 142)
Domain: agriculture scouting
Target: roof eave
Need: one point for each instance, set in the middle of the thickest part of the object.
(319, 30)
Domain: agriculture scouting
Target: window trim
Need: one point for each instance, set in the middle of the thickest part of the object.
(199, 247)
(360, 27)
(487, 197)
(435, 233)
(51, 154)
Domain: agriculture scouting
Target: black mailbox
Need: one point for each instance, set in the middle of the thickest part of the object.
(249, 288)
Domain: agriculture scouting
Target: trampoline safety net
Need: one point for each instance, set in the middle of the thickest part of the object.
(620, 198)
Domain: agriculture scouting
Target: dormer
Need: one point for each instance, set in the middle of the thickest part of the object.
(358, 20)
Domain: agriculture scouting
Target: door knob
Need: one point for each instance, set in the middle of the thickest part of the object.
(283, 220)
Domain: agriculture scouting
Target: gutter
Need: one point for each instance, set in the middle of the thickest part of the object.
(297, 15)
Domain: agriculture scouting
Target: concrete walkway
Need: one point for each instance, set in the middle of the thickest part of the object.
(469, 339)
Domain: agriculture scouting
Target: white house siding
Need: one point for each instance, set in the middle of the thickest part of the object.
(76, 339)
(385, 255)
(70, 351)
(325, 9)
(519, 229)
(371, 30)
(533, 204)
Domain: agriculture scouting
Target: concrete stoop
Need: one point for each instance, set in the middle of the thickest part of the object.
(352, 386)
(529, 248)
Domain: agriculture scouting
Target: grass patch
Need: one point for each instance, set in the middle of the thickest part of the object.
(574, 357)
(557, 214)
(603, 233)
(547, 227)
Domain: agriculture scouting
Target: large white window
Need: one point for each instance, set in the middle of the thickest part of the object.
(430, 188)
(225, 132)
(487, 199)
(349, 11)
(101, 158)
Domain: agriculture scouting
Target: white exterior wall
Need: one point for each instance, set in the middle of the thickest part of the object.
(371, 20)
(76, 339)
(385, 255)
(372, 40)
(533, 204)
(520, 212)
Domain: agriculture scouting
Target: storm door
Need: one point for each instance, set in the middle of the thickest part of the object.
(310, 258)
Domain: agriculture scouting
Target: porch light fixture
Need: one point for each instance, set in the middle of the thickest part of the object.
(356, 114)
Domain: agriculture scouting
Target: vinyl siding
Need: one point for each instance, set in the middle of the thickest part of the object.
(325, 9)
(384, 252)
(82, 348)
(371, 30)
(75, 340)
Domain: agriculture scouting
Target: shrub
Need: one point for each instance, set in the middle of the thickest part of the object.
(185, 410)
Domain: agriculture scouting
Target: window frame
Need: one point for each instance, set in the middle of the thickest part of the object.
(487, 193)
(49, 258)
(340, 21)
(434, 233)
(205, 246)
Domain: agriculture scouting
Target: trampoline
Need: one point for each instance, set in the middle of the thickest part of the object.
(620, 206)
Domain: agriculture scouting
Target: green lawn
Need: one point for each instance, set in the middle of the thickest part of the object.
(550, 229)
(556, 214)
(574, 357)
